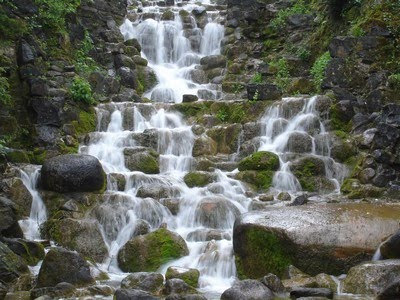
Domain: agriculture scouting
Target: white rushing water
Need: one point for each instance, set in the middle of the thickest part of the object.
(293, 128)
(38, 213)
(174, 48)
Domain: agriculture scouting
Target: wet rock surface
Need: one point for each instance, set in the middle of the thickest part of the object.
(247, 289)
(315, 233)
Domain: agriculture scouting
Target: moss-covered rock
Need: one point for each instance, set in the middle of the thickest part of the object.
(148, 252)
(198, 179)
(17, 156)
(190, 276)
(226, 137)
(83, 236)
(11, 265)
(260, 180)
(31, 252)
(355, 190)
(86, 122)
(145, 281)
(260, 161)
(142, 159)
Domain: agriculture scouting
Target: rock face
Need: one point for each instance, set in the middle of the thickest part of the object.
(61, 265)
(83, 236)
(327, 238)
(148, 252)
(372, 277)
(73, 173)
(248, 290)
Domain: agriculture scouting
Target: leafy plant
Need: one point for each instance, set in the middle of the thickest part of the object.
(52, 13)
(318, 70)
(279, 21)
(81, 91)
(237, 88)
(394, 81)
(257, 78)
(222, 115)
(83, 62)
(282, 76)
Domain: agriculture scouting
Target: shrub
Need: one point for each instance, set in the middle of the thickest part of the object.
(81, 91)
(282, 76)
(52, 13)
(222, 115)
(318, 70)
(394, 81)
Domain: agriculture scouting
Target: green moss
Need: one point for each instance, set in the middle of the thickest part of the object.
(17, 156)
(198, 179)
(149, 164)
(306, 173)
(148, 252)
(191, 276)
(299, 7)
(262, 253)
(318, 69)
(354, 190)
(260, 180)
(86, 122)
(260, 161)
(337, 122)
(38, 156)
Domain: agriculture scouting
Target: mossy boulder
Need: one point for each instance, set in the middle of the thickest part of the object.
(83, 236)
(260, 161)
(32, 252)
(353, 189)
(190, 276)
(148, 252)
(86, 122)
(259, 180)
(371, 278)
(226, 137)
(142, 159)
(17, 156)
(145, 281)
(61, 265)
(268, 241)
(198, 179)
(11, 265)
(20, 195)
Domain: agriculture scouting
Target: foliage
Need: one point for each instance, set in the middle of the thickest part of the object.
(222, 114)
(10, 28)
(83, 62)
(282, 76)
(5, 97)
(257, 78)
(394, 81)
(81, 91)
(279, 21)
(52, 13)
(318, 70)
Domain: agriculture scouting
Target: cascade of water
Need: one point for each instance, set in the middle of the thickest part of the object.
(295, 123)
(38, 214)
(174, 49)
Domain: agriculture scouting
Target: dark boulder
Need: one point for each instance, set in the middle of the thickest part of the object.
(25, 53)
(247, 290)
(189, 98)
(213, 61)
(61, 265)
(73, 173)
(32, 252)
(146, 281)
(392, 291)
(177, 286)
(391, 247)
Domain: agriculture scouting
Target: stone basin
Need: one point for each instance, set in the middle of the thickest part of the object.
(318, 238)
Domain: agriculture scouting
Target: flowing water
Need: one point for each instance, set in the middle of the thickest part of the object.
(174, 48)
(38, 213)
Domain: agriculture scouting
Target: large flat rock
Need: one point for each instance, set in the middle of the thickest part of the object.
(319, 238)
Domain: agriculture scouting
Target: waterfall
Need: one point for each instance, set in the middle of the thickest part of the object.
(38, 213)
(174, 49)
(299, 117)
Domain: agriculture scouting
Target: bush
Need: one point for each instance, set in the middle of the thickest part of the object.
(394, 81)
(257, 78)
(282, 76)
(81, 91)
(52, 13)
(318, 70)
